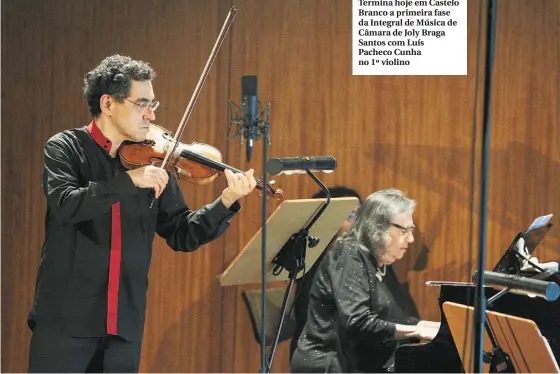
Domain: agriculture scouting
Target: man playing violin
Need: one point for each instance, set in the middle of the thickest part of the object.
(90, 295)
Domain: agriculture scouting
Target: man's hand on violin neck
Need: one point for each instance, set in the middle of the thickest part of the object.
(149, 177)
(239, 185)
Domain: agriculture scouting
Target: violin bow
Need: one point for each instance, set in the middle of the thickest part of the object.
(225, 28)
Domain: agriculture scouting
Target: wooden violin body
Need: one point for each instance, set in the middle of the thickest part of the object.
(197, 163)
(153, 150)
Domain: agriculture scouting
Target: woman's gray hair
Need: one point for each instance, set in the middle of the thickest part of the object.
(374, 217)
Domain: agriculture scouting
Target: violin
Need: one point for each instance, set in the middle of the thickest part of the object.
(197, 163)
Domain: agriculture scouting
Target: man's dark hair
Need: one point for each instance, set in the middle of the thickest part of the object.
(113, 76)
(338, 191)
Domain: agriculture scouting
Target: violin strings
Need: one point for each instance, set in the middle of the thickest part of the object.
(219, 165)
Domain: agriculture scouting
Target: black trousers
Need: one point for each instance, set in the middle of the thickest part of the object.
(54, 352)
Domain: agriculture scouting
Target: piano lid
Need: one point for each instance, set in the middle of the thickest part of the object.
(447, 283)
(451, 284)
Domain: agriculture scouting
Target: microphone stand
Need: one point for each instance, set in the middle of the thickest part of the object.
(480, 300)
(262, 130)
(263, 127)
(291, 258)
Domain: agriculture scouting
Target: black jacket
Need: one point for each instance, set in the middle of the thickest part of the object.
(86, 242)
(351, 316)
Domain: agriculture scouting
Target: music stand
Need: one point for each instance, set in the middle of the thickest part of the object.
(511, 260)
(290, 217)
(285, 249)
(514, 341)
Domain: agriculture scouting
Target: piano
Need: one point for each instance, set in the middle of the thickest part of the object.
(441, 356)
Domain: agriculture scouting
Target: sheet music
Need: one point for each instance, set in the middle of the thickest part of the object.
(524, 249)
(540, 222)
(518, 254)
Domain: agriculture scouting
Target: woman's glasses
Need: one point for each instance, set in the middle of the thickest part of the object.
(405, 230)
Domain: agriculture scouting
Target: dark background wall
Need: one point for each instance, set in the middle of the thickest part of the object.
(421, 134)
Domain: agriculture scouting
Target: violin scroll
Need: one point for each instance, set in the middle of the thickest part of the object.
(277, 193)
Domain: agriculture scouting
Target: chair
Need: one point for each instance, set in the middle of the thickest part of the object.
(273, 300)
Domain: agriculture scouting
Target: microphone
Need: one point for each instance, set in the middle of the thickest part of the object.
(250, 111)
(549, 291)
(298, 165)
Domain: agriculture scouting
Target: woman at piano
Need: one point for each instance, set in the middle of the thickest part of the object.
(354, 323)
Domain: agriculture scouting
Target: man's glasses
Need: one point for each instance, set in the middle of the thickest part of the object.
(152, 105)
(405, 230)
